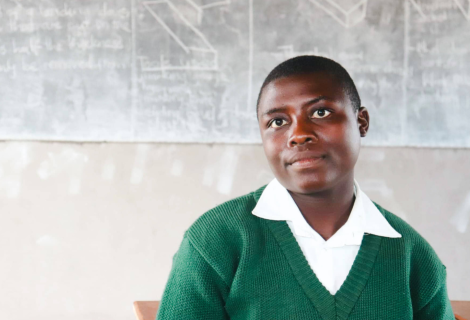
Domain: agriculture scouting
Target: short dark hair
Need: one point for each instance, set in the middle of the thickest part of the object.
(313, 64)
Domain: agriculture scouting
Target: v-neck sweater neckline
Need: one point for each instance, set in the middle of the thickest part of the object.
(337, 306)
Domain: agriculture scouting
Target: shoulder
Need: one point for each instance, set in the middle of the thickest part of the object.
(221, 234)
(423, 261)
(426, 273)
(226, 217)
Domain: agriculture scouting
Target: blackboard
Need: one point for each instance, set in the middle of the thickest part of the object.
(190, 70)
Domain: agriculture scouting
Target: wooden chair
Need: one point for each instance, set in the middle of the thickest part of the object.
(147, 310)
(461, 309)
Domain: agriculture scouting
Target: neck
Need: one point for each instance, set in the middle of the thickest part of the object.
(328, 210)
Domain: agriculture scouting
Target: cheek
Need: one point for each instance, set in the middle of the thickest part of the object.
(272, 149)
(345, 143)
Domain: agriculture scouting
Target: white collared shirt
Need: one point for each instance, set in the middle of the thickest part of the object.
(331, 260)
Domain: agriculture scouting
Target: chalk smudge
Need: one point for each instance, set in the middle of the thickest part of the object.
(208, 176)
(109, 169)
(228, 167)
(68, 161)
(14, 158)
(139, 164)
(75, 184)
(461, 217)
(177, 168)
(47, 241)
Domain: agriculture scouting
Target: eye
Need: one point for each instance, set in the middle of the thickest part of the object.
(276, 123)
(321, 113)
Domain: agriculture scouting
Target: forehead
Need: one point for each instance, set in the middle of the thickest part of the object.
(287, 90)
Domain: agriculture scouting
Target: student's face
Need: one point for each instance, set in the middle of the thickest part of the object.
(310, 131)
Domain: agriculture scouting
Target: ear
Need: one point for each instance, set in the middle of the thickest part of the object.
(363, 121)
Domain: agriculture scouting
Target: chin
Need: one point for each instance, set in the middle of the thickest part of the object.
(308, 184)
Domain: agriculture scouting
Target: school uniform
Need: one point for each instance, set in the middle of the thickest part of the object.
(255, 257)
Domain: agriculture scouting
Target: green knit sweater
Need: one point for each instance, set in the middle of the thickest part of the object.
(234, 265)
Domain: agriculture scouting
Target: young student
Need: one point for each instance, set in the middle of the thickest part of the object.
(310, 244)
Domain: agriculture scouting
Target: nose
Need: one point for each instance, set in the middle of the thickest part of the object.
(301, 135)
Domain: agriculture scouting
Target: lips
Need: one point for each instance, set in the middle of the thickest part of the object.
(306, 160)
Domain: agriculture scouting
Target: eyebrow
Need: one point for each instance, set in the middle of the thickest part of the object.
(308, 103)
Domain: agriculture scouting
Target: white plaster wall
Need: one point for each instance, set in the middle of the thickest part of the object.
(86, 229)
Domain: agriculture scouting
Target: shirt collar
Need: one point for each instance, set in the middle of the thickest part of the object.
(276, 203)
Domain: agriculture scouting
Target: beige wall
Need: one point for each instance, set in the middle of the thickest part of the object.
(86, 229)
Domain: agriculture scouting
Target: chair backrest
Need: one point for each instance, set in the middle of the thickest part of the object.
(147, 310)
(461, 309)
